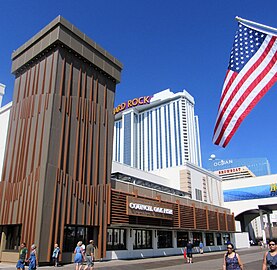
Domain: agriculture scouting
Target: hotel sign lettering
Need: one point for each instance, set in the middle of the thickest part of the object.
(132, 103)
(231, 170)
(147, 208)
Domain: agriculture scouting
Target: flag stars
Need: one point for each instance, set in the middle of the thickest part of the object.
(246, 43)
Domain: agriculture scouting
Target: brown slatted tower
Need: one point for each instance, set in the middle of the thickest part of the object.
(59, 146)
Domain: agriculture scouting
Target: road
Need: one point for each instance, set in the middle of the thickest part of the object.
(251, 257)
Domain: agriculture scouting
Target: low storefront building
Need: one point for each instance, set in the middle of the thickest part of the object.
(146, 221)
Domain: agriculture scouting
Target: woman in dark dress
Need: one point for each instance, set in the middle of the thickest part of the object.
(232, 259)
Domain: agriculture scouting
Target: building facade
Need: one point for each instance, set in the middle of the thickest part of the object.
(152, 133)
(258, 166)
(234, 173)
(57, 163)
(150, 217)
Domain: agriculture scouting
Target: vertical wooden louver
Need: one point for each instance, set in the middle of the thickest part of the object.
(58, 155)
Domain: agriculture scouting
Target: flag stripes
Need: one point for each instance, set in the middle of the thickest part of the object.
(243, 90)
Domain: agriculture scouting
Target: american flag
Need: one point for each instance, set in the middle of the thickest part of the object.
(251, 72)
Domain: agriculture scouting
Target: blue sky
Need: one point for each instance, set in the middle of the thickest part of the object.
(177, 44)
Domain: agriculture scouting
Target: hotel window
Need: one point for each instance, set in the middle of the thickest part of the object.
(182, 239)
(164, 239)
(169, 135)
(198, 194)
(127, 139)
(209, 239)
(116, 239)
(143, 239)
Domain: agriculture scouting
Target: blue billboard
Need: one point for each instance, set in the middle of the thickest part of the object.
(250, 193)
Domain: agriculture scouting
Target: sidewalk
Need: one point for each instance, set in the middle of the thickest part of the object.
(211, 258)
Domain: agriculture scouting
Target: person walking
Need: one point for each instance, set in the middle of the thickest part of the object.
(231, 260)
(270, 257)
(90, 255)
(55, 255)
(33, 258)
(189, 248)
(23, 252)
(78, 258)
(201, 247)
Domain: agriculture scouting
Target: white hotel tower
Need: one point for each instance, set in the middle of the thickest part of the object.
(152, 133)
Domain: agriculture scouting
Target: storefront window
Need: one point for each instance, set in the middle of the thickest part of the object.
(209, 239)
(164, 239)
(218, 239)
(143, 239)
(13, 233)
(116, 239)
(74, 234)
(226, 238)
(182, 239)
(197, 237)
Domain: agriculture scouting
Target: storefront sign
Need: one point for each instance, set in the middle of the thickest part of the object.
(132, 103)
(147, 208)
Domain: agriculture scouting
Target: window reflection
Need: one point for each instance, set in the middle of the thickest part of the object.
(73, 234)
(143, 239)
(164, 239)
(116, 239)
(182, 239)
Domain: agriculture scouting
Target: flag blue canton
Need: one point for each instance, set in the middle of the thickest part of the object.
(247, 42)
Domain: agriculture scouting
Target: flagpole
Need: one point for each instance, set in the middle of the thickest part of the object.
(256, 24)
